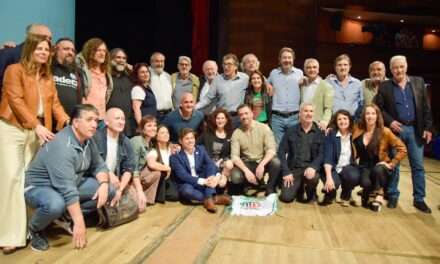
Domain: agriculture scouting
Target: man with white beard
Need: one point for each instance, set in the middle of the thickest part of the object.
(160, 83)
(66, 75)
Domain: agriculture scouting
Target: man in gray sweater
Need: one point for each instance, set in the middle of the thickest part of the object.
(67, 173)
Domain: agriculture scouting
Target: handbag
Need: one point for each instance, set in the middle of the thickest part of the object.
(125, 211)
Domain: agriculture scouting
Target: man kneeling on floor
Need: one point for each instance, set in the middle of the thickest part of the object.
(196, 174)
(55, 179)
(301, 153)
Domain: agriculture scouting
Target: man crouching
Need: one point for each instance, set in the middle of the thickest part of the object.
(67, 173)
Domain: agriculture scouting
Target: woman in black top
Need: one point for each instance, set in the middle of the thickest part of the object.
(142, 97)
(217, 142)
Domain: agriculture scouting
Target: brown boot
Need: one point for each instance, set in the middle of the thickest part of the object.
(209, 205)
(222, 199)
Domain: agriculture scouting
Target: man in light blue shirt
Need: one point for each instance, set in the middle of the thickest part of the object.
(286, 93)
(348, 90)
(228, 89)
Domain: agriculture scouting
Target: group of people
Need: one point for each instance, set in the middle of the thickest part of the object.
(80, 130)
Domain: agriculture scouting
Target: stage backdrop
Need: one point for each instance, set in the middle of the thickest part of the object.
(15, 15)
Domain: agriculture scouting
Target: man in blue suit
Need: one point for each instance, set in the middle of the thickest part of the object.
(196, 174)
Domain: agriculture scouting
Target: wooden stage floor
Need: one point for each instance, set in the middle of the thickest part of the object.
(298, 233)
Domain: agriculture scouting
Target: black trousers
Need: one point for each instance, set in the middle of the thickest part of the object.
(167, 190)
(300, 182)
(349, 178)
(374, 179)
(239, 181)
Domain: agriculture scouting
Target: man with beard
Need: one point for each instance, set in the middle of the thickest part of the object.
(161, 85)
(370, 86)
(253, 152)
(228, 89)
(121, 95)
(66, 75)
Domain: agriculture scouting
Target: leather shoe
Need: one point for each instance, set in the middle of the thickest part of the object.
(222, 199)
(422, 206)
(9, 250)
(209, 205)
(392, 203)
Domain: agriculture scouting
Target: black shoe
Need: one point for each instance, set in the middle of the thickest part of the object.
(311, 197)
(422, 206)
(38, 241)
(328, 198)
(392, 203)
(269, 191)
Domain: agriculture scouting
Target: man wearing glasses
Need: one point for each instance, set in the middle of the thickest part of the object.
(228, 89)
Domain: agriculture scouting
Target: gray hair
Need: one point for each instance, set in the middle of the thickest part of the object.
(375, 63)
(396, 58)
(155, 54)
(114, 51)
(310, 60)
(246, 57)
(182, 58)
(304, 104)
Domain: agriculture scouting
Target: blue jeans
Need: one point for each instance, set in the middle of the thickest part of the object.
(415, 156)
(280, 124)
(50, 205)
(195, 193)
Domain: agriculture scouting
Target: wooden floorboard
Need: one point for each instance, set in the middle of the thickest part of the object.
(297, 233)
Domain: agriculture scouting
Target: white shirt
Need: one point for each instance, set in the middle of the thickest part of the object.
(138, 93)
(164, 154)
(162, 89)
(112, 152)
(344, 157)
(310, 90)
(192, 164)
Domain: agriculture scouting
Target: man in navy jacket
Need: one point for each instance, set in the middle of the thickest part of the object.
(196, 174)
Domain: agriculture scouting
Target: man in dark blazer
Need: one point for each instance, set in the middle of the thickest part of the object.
(196, 174)
(404, 104)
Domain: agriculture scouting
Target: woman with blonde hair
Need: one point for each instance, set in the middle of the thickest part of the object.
(28, 105)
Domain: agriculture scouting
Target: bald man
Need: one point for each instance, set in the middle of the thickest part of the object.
(116, 151)
(184, 117)
(10, 56)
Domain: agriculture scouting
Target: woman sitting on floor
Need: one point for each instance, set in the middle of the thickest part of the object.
(339, 163)
(158, 160)
(144, 181)
(196, 174)
(217, 142)
(373, 143)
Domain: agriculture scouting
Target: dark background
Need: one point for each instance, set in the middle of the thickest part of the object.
(139, 27)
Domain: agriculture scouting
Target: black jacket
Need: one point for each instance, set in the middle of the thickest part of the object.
(289, 147)
(385, 100)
